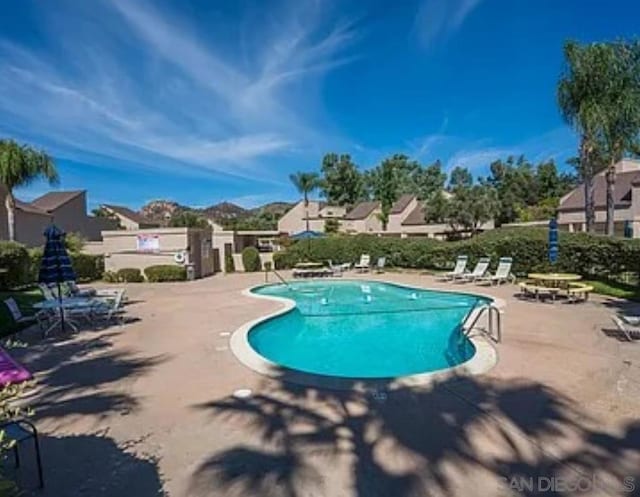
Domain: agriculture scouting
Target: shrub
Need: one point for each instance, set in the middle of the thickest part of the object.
(87, 267)
(229, 266)
(268, 266)
(14, 257)
(251, 259)
(167, 272)
(580, 253)
(110, 277)
(129, 275)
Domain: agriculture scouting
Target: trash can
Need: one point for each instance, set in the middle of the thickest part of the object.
(191, 272)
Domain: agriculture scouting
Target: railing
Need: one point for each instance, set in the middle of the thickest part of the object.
(278, 275)
(494, 322)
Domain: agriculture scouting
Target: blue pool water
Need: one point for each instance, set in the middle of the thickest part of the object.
(361, 329)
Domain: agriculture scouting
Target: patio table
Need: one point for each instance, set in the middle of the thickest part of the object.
(554, 280)
(66, 304)
(309, 265)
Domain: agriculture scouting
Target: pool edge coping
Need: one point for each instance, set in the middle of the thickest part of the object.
(485, 358)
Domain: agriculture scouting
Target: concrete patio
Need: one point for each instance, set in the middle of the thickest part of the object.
(146, 409)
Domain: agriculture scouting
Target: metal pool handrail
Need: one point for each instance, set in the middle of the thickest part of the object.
(495, 333)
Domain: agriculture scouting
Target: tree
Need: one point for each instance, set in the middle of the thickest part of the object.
(188, 219)
(19, 166)
(386, 182)
(472, 206)
(583, 83)
(460, 177)
(331, 225)
(428, 180)
(621, 116)
(437, 208)
(342, 183)
(305, 183)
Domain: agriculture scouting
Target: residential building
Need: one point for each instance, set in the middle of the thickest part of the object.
(66, 209)
(127, 218)
(571, 215)
(295, 220)
(363, 218)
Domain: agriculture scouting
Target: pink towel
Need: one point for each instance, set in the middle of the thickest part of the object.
(11, 371)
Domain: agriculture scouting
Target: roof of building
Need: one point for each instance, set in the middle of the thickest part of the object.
(402, 203)
(52, 200)
(416, 217)
(574, 200)
(128, 213)
(27, 207)
(362, 210)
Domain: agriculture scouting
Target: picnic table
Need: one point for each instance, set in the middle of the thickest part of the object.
(309, 265)
(66, 304)
(555, 280)
(310, 269)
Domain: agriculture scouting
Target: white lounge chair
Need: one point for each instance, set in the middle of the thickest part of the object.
(363, 265)
(458, 270)
(75, 291)
(47, 291)
(380, 264)
(16, 313)
(627, 329)
(336, 271)
(482, 266)
(110, 308)
(503, 273)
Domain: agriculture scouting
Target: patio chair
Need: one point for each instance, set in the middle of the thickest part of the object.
(503, 273)
(75, 291)
(47, 291)
(110, 308)
(17, 431)
(363, 265)
(628, 330)
(458, 270)
(380, 264)
(482, 266)
(335, 270)
(41, 317)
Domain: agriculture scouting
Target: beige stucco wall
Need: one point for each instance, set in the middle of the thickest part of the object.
(119, 248)
(30, 228)
(72, 217)
(294, 221)
(369, 224)
(395, 220)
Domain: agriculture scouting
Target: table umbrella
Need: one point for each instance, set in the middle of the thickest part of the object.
(307, 235)
(553, 241)
(55, 266)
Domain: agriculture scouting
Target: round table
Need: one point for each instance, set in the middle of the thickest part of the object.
(554, 279)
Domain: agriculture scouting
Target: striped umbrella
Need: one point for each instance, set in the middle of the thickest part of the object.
(55, 266)
(553, 241)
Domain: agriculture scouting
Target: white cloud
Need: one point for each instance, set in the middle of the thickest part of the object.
(127, 81)
(437, 19)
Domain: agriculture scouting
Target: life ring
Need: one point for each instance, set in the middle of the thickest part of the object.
(180, 257)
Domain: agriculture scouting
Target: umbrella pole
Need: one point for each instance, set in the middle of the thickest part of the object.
(61, 309)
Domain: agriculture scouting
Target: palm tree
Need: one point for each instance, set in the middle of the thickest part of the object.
(621, 121)
(580, 91)
(19, 166)
(305, 183)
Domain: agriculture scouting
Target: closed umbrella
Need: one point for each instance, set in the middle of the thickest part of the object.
(55, 266)
(553, 241)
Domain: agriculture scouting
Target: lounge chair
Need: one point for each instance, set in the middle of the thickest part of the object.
(479, 271)
(380, 264)
(627, 329)
(363, 265)
(458, 270)
(47, 291)
(503, 273)
(75, 291)
(336, 271)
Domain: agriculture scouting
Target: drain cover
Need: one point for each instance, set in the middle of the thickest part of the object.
(242, 393)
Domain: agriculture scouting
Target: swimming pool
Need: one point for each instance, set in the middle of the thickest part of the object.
(364, 329)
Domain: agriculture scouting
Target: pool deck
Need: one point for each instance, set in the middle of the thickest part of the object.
(146, 408)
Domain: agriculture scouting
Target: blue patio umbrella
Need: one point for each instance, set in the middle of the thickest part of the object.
(553, 241)
(307, 235)
(55, 267)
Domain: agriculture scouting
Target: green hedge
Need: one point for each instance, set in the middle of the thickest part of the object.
(87, 267)
(14, 257)
(129, 275)
(579, 252)
(251, 259)
(166, 272)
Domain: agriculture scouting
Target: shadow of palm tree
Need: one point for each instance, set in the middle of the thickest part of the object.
(91, 465)
(462, 436)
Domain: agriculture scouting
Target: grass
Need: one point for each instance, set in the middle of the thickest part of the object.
(615, 289)
(25, 299)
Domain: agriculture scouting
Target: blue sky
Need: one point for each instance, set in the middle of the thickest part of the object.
(200, 101)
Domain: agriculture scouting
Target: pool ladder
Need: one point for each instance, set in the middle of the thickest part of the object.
(494, 322)
(278, 275)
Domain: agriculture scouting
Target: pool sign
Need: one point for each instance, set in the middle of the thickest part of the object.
(553, 241)
(148, 243)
